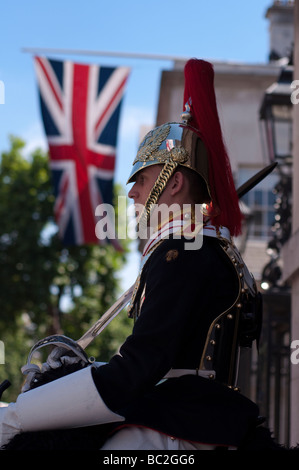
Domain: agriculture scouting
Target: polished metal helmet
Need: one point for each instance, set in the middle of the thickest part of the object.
(175, 143)
(171, 144)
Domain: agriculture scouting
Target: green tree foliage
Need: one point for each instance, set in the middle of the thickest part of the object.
(45, 287)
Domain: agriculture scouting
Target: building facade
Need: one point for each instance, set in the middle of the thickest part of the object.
(290, 253)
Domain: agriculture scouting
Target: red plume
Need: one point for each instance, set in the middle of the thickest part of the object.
(200, 93)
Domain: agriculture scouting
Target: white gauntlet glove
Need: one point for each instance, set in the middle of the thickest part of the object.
(70, 402)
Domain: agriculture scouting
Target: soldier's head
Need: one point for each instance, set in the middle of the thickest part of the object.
(193, 152)
(160, 182)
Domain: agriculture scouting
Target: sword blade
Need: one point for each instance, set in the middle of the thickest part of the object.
(255, 179)
(105, 319)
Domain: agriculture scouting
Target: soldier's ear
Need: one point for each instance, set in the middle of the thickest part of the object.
(176, 183)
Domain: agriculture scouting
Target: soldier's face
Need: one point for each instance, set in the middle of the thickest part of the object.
(145, 180)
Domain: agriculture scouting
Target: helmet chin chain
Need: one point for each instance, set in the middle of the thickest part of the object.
(156, 191)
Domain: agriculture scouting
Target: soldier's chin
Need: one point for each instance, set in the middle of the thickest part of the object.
(139, 210)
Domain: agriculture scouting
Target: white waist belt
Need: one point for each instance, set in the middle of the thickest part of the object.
(173, 373)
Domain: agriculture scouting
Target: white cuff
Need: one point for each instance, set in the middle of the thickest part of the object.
(69, 402)
(9, 423)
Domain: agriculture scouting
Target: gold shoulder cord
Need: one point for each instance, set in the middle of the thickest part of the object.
(152, 199)
(156, 192)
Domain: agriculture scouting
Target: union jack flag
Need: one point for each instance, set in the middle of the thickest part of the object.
(80, 107)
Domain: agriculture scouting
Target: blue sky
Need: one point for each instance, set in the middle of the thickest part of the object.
(231, 30)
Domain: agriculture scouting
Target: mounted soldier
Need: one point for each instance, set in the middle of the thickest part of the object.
(174, 383)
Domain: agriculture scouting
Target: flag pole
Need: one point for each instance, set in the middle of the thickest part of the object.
(132, 55)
